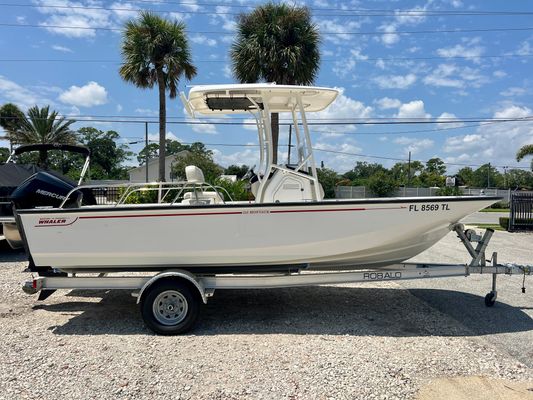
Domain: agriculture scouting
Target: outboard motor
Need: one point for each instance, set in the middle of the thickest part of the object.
(43, 189)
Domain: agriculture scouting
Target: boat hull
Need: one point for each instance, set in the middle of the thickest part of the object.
(329, 234)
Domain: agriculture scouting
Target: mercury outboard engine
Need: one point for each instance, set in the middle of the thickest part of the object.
(45, 189)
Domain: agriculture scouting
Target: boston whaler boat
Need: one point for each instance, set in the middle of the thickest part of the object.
(198, 240)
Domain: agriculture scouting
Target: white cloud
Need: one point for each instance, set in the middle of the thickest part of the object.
(24, 97)
(222, 18)
(249, 124)
(337, 29)
(461, 143)
(337, 162)
(249, 156)
(413, 16)
(208, 129)
(513, 111)
(499, 74)
(89, 95)
(414, 145)
(343, 107)
(451, 75)
(62, 49)
(386, 103)
(390, 37)
(461, 51)
(154, 137)
(525, 49)
(395, 81)
(445, 116)
(84, 15)
(124, 11)
(413, 109)
(513, 91)
(201, 39)
(119, 108)
(228, 73)
(494, 142)
(83, 18)
(147, 112)
(178, 16)
(343, 67)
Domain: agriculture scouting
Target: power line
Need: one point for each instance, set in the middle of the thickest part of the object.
(318, 121)
(343, 12)
(386, 12)
(369, 33)
(364, 59)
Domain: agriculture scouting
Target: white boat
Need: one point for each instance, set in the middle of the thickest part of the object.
(289, 226)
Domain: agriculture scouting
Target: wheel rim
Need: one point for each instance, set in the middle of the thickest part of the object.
(170, 307)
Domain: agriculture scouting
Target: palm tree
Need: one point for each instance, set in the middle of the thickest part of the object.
(42, 127)
(10, 117)
(156, 51)
(276, 43)
(526, 150)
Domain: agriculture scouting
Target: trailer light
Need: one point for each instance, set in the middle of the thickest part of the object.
(34, 284)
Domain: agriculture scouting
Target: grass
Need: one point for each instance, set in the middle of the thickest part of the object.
(495, 210)
(496, 227)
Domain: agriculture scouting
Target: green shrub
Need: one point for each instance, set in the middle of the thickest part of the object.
(504, 223)
(500, 204)
(382, 185)
(238, 190)
(449, 191)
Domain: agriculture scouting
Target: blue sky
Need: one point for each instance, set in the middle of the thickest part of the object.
(436, 75)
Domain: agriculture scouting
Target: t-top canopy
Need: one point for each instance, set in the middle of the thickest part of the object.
(232, 99)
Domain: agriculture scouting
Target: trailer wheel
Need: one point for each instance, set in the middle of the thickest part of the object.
(170, 307)
(490, 299)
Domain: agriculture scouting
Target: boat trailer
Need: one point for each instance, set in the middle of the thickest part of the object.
(170, 300)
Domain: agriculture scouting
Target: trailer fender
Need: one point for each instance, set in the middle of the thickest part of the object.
(179, 274)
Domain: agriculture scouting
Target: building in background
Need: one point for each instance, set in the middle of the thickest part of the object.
(139, 174)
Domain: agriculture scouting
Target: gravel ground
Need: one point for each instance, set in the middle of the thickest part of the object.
(358, 341)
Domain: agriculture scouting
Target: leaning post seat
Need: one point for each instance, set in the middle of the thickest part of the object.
(197, 196)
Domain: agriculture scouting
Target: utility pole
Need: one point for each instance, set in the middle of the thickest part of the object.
(409, 170)
(147, 150)
(488, 177)
(505, 177)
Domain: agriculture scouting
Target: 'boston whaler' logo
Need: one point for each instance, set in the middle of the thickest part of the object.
(61, 221)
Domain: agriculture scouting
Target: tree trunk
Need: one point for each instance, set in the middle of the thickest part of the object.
(162, 125)
(274, 124)
(43, 159)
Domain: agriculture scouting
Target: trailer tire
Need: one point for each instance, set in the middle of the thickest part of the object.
(170, 307)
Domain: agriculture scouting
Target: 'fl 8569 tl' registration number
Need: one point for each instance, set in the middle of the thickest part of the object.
(429, 207)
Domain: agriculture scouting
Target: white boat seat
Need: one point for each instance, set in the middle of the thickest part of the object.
(198, 197)
(194, 174)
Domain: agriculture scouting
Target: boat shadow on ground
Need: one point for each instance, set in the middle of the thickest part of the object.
(324, 310)
(7, 254)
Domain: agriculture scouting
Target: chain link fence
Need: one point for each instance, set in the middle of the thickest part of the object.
(361, 192)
